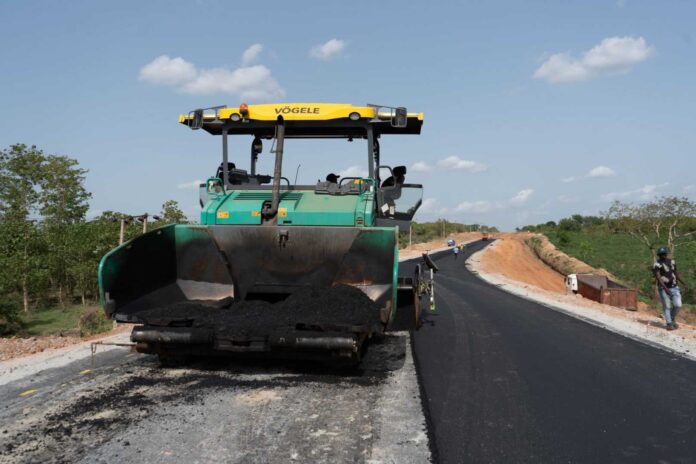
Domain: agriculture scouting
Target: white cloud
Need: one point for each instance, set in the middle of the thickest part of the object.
(168, 71)
(328, 50)
(474, 207)
(251, 53)
(194, 184)
(611, 55)
(455, 162)
(521, 197)
(353, 171)
(421, 166)
(645, 192)
(248, 83)
(690, 188)
(601, 171)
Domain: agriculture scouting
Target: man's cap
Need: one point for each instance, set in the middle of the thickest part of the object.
(662, 251)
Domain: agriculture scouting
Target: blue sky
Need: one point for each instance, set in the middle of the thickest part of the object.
(534, 110)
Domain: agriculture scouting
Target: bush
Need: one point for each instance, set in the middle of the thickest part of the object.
(94, 321)
(568, 224)
(10, 320)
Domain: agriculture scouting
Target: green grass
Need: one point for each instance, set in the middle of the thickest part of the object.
(623, 256)
(54, 321)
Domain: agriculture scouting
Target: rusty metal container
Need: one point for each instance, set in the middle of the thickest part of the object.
(606, 291)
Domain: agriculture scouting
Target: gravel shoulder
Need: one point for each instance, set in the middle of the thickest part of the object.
(135, 411)
(643, 327)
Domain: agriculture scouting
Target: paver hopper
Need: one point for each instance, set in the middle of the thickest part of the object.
(275, 268)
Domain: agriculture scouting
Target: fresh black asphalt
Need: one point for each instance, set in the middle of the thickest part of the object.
(507, 380)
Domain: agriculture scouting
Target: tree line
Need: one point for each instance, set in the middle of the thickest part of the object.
(49, 251)
(665, 221)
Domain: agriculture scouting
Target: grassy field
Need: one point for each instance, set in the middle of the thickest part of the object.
(54, 321)
(623, 256)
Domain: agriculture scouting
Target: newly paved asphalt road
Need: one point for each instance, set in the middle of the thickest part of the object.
(507, 380)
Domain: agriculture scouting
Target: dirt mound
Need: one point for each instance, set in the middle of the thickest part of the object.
(511, 257)
(342, 305)
(559, 261)
(15, 347)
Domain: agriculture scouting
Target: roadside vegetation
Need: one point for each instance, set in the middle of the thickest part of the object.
(624, 239)
(49, 251)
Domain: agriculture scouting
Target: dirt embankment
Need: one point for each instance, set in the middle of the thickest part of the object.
(15, 347)
(533, 259)
(511, 257)
(557, 260)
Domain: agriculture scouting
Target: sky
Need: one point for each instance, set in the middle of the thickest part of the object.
(534, 110)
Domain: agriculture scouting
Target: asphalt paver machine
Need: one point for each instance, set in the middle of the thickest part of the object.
(275, 268)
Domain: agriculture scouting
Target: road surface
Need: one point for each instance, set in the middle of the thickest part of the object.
(122, 407)
(507, 380)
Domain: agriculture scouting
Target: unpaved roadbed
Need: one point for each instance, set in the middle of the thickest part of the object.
(135, 411)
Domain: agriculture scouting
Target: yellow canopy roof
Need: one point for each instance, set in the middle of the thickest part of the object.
(303, 120)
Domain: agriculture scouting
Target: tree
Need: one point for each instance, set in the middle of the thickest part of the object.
(21, 174)
(570, 224)
(670, 220)
(63, 205)
(172, 214)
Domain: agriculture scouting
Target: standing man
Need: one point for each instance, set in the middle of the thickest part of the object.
(666, 276)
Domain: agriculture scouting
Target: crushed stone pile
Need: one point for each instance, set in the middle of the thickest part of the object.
(339, 305)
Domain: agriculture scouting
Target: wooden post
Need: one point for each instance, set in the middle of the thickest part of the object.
(144, 223)
(123, 231)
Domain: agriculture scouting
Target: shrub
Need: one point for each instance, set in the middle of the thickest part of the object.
(563, 238)
(10, 320)
(94, 321)
(569, 224)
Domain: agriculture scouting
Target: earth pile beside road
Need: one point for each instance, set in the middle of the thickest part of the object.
(511, 257)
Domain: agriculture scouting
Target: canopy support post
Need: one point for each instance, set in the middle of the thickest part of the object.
(370, 152)
(225, 158)
(271, 212)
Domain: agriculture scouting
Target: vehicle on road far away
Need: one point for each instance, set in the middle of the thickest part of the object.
(485, 236)
(276, 269)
